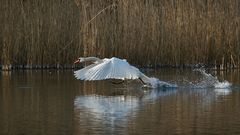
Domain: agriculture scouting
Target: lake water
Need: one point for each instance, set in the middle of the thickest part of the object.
(55, 103)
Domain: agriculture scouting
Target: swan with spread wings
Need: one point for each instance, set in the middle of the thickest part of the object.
(114, 68)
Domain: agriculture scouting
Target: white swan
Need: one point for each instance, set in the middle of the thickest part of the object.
(114, 68)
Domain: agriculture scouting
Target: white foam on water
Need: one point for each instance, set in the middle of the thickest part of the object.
(156, 83)
(222, 85)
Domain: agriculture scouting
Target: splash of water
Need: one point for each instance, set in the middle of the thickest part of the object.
(156, 83)
(209, 81)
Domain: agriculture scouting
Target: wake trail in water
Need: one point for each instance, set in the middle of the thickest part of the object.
(209, 81)
(156, 83)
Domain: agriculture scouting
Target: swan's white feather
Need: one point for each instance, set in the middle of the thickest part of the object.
(113, 68)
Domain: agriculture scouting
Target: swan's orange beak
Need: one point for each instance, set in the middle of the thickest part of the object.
(77, 61)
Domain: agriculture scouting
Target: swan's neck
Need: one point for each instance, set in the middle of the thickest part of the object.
(90, 59)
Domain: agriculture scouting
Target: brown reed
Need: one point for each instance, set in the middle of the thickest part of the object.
(145, 32)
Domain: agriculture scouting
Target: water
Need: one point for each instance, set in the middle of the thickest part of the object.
(55, 103)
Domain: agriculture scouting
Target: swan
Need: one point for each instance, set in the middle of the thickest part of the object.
(114, 68)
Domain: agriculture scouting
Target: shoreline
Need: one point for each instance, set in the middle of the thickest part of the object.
(38, 67)
(72, 66)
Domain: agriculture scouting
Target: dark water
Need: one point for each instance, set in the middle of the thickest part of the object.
(55, 103)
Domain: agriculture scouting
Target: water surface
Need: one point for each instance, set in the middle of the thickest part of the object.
(54, 102)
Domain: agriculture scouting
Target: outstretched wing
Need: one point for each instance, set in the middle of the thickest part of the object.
(113, 68)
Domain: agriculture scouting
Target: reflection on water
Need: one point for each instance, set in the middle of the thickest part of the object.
(223, 92)
(112, 112)
(54, 102)
(34, 103)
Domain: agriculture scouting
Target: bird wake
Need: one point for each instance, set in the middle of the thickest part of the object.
(156, 83)
(209, 81)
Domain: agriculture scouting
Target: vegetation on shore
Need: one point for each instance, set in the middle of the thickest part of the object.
(145, 32)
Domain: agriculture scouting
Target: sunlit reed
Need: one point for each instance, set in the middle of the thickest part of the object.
(145, 32)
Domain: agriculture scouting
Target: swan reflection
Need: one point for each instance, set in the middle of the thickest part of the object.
(112, 111)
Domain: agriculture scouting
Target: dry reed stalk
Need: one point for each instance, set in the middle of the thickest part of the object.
(146, 32)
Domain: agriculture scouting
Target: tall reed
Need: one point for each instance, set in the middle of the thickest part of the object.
(146, 32)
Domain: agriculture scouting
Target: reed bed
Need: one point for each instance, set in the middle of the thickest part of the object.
(145, 32)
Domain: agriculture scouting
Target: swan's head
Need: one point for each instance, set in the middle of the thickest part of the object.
(80, 59)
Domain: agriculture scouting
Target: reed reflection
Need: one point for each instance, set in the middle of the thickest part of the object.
(35, 102)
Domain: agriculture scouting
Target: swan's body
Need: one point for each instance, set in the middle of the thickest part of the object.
(113, 68)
